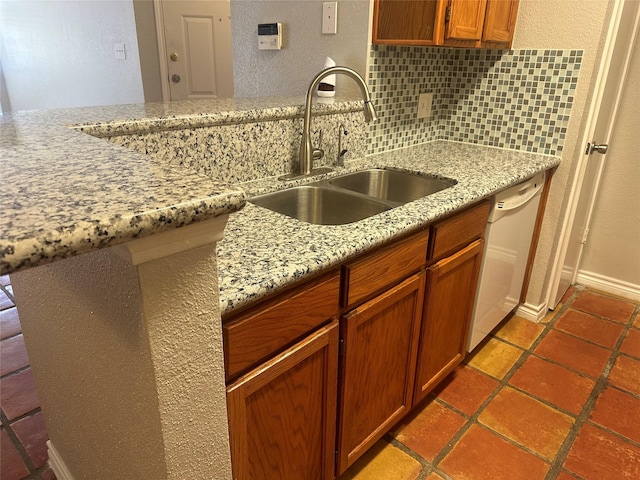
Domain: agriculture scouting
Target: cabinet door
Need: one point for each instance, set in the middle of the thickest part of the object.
(466, 18)
(448, 306)
(377, 367)
(408, 22)
(282, 415)
(500, 21)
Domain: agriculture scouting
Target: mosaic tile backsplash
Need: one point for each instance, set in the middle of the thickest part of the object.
(518, 99)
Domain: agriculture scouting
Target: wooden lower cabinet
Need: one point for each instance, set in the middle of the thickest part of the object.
(448, 306)
(282, 414)
(379, 347)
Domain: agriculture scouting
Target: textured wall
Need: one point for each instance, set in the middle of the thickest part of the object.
(92, 365)
(555, 24)
(613, 245)
(60, 54)
(128, 363)
(182, 316)
(290, 70)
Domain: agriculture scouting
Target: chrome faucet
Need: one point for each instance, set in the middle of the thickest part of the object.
(306, 154)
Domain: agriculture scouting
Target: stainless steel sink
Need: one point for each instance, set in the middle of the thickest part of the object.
(321, 205)
(390, 185)
(351, 197)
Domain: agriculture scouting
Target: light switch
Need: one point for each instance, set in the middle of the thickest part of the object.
(119, 51)
(329, 18)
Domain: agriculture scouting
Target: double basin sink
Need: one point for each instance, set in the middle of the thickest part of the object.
(351, 197)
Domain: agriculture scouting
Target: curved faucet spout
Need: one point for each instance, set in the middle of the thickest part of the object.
(306, 148)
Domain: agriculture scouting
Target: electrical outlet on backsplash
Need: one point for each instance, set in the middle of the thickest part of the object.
(518, 99)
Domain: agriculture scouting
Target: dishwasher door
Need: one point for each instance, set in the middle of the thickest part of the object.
(507, 243)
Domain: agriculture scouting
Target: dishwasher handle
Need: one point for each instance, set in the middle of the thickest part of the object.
(517, 196)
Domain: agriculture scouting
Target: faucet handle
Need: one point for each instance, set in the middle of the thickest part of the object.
(318, 153)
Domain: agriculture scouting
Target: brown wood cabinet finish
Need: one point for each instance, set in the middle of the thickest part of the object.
(377, 271)
(378, 367)
(455, 23)
(448, 305)
(465, 19)
(450, 234)
(500, 21)
(258, 333)
(282, 415)
(408, 22)
(405, 328)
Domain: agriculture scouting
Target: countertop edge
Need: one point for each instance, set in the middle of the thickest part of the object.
(237, 294)
(86, 236)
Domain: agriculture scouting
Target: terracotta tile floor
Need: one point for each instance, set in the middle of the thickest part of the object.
(554, 400)
(23, 450)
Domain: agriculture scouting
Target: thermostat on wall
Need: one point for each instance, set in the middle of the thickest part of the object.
(269, 36)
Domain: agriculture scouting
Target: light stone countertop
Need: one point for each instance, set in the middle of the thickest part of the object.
(263, 251)
(65, 192)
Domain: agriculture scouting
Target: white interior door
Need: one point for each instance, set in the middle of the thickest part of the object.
(197, 49)
(602, 117)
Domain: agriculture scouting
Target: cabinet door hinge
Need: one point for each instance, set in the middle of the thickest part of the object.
(340, 349)
(447, 13)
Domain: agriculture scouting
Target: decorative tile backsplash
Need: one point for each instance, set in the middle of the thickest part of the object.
(519, 99)
(512, 99)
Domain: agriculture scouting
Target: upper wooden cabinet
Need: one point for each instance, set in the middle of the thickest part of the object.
(500, 21)
(408, 22)
(458, 23)
(464, 19)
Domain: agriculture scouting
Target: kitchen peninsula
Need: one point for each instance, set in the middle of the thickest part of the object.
(123, 264)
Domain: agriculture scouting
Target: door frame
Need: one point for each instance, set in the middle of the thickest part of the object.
(553, 296)
(162, 50)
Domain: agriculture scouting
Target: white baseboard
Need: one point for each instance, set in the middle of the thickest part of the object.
(535, 313)
(609, 285)
(56, 464)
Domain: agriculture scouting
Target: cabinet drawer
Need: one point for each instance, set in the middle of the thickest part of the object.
(257, 334)
(384, 267)
(458, 230)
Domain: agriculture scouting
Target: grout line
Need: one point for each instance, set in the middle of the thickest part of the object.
(556, 463)
(473, 419)
(583, 418)
(6, 426)
(16, 371)
(427, 468)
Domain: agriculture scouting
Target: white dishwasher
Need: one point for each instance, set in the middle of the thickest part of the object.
(507, 243)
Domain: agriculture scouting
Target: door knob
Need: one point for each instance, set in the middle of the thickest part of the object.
(175, 78)
(593, 147)
(174, 57)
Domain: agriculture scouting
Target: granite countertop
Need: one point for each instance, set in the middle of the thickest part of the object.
(65, 191)
(263, 251)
